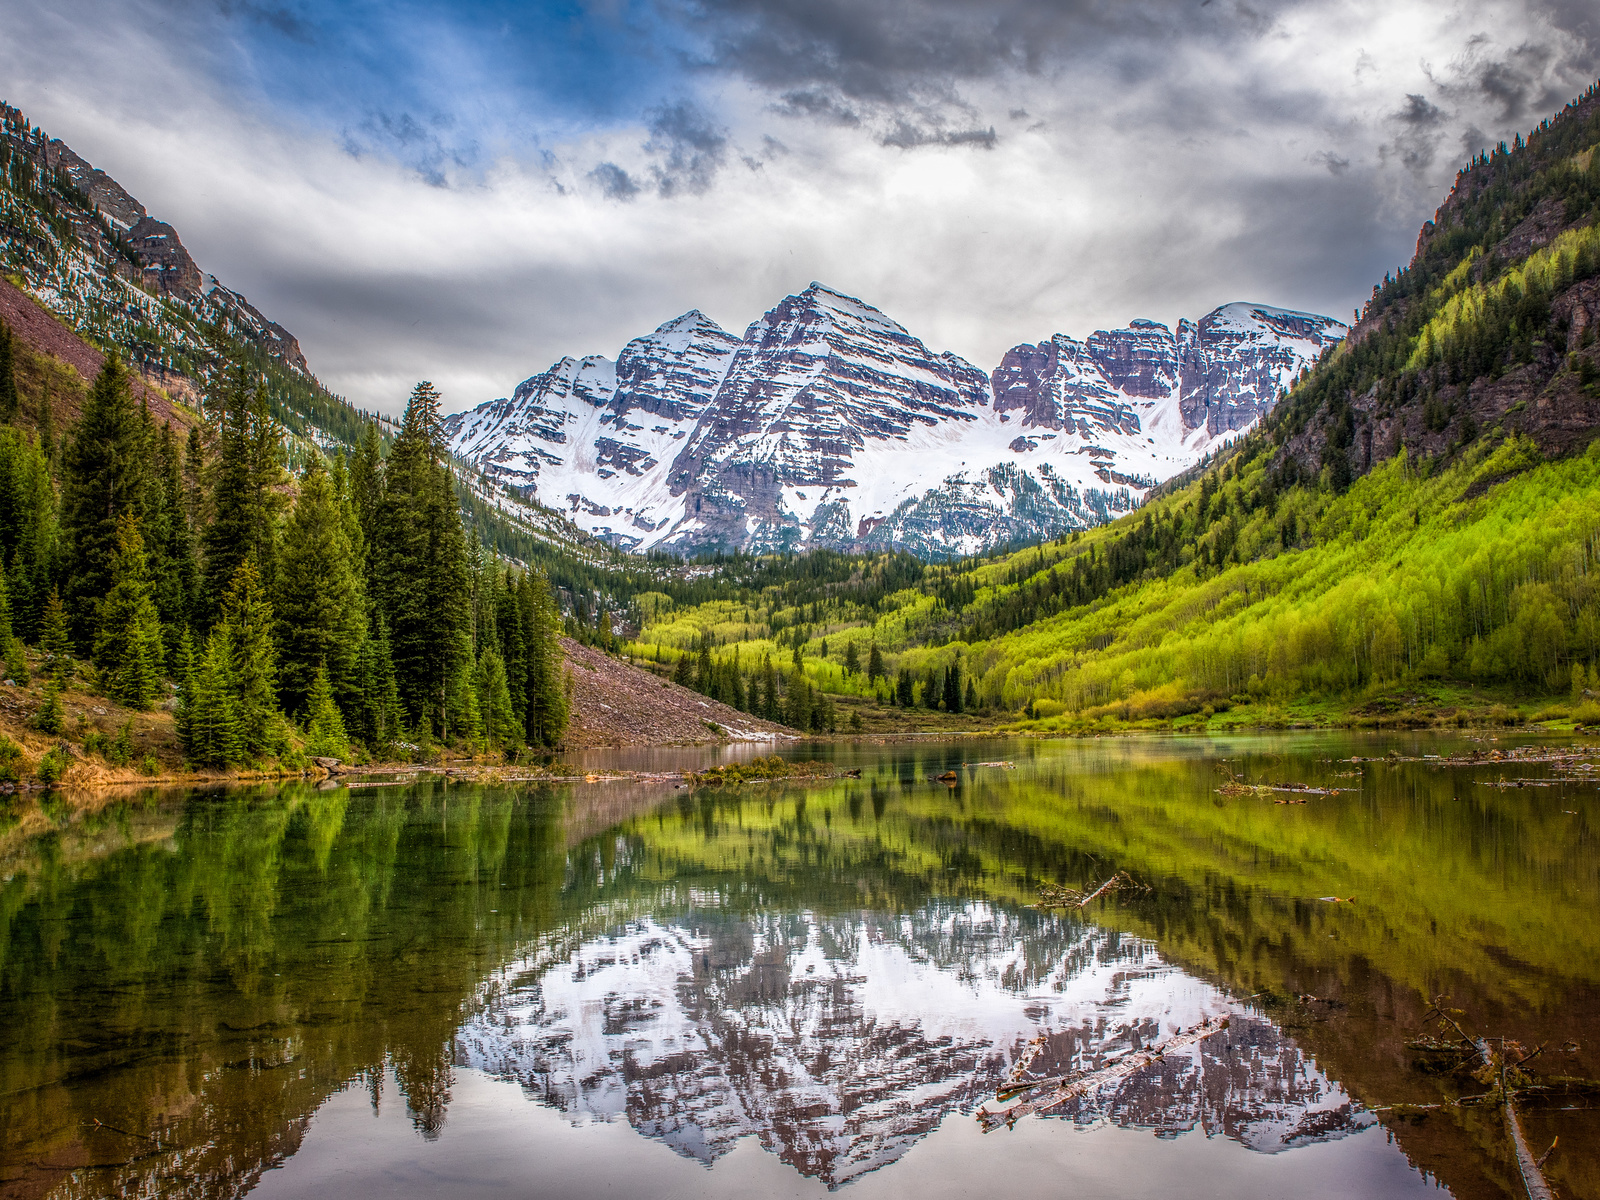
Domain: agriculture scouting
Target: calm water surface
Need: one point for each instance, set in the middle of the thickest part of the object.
(622, 990)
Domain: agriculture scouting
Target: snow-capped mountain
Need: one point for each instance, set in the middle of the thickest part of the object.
(840, 1041)
(829, 424)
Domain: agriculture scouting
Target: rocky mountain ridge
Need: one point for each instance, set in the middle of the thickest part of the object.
(830, 424)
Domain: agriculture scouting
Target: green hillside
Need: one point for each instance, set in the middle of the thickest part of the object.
(1413, 528)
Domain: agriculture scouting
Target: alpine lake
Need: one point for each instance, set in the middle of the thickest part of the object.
(645, 989)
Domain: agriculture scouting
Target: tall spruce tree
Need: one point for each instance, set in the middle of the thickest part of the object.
(317, 602)
(380, 716)
(252, 659)
(10, 399)
(127, 646)
(56, 639)
(247, 495)
(103, 478)
(325, 732)
(545, 718)
(501, 729)
(28, 541)
(174, 573)
(212, 712)
(418, 564)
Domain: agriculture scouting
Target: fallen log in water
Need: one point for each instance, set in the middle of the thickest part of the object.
(1055, 895)
(1064, 1088)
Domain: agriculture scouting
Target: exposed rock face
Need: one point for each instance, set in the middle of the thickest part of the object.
(125, 242)
(829, 424)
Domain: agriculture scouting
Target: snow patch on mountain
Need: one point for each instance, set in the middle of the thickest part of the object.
(830, 424)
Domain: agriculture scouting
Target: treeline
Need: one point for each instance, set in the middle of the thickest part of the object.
(347, 601)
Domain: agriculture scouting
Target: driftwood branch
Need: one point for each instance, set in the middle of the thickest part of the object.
(1066, 1088)
(1052, 895)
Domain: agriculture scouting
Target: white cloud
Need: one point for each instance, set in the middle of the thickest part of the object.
(1277, 164)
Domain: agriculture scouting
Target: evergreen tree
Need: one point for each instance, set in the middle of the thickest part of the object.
(852, 660)
(174, 573)
(246, 498)
(48, 718)
(56, 640)
(182, 716)
(380, 718)
(27, 527)
(875, 669)
(317, 602)
(905, 689)
(213, 716)
(127, 647)
(366, 482)
(513, 644)
(325, 733)
(419, 562)
(931, 692)
(546, 716)
(10, 400)
(103, 479)
(683, 672)
(501, 728)
(971, 701)
(252, 659)
(952, 688)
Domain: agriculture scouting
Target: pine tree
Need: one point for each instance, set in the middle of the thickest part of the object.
(952, 688)
(970, 703)
(56, 641)
(547, 705)
(248, 493)
(501, 728)
(875, 669)
(213, 716)
(174, 573)
(683, 671)
(184, 672)
(380, 715)
(317, 602)
(252, 659)
(27, 527)
(931, 691)
(10, 400)
(48, 718)
(127, 647)
(852, 660)
(419, 562)
(103, 479)
(366, 481)
(325, 733)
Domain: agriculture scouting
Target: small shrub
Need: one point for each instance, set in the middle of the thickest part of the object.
(1045, 709)
(95, 742)
(150, 766)
(48, 718)
(53, 766)
(121, 752)
(10, 760)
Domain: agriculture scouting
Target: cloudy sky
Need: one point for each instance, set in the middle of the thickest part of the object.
(465, 191)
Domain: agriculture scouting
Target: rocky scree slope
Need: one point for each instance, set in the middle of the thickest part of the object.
(829, 424)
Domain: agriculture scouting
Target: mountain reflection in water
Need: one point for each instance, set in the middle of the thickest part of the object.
(621, 989)
(839, 1041)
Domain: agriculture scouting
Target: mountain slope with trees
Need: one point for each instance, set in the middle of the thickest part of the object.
(1416, 525)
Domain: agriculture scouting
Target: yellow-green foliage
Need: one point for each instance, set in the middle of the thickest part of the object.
(1481, 571)
(1548, 270)
(1407, 578)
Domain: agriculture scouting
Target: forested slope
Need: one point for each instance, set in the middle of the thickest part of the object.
(1419, 515)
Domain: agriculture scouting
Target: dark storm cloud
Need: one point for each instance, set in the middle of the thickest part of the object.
(614, 182)
(903, 62)
(1421, 125)
(690, 145)
(905, 136)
